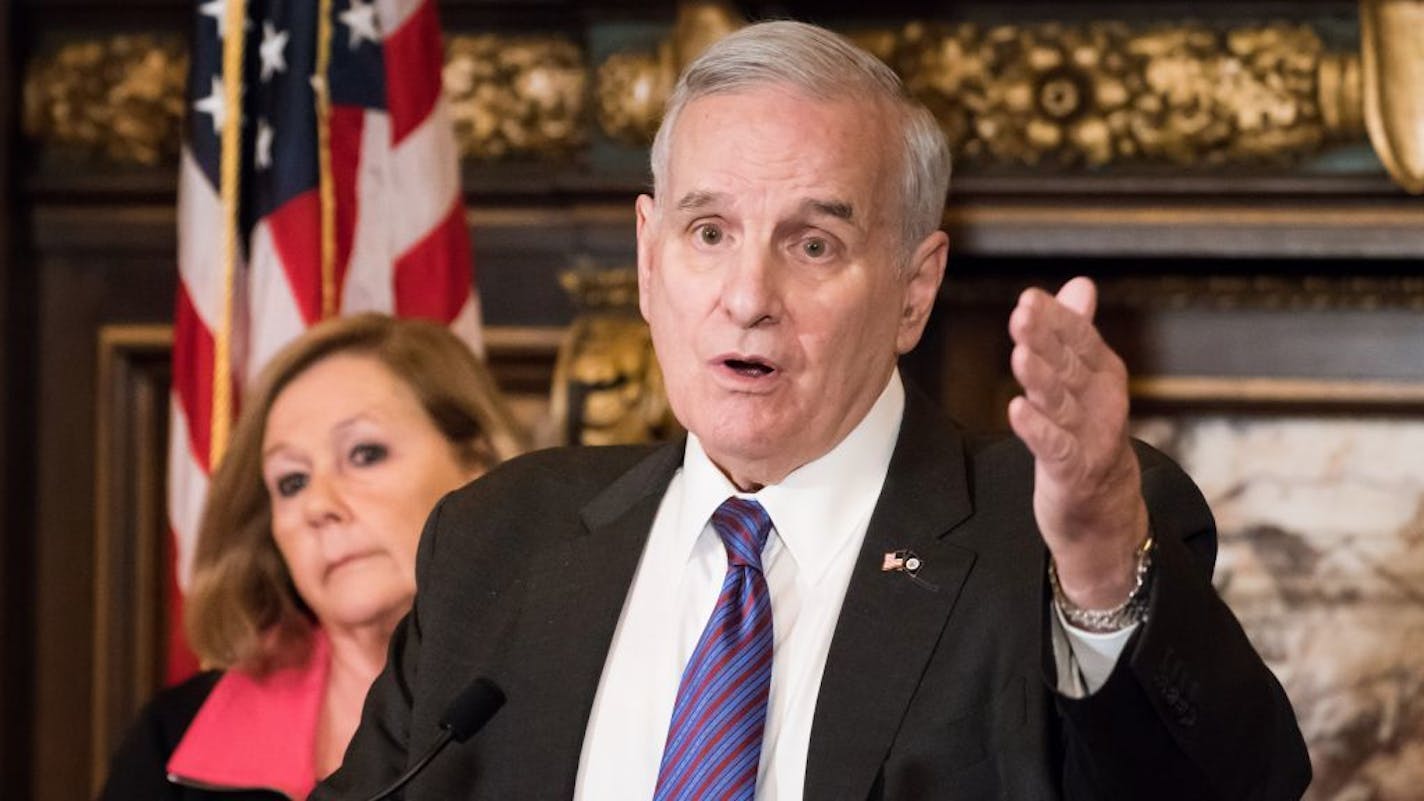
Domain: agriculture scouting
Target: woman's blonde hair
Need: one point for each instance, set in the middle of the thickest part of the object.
(242, 609)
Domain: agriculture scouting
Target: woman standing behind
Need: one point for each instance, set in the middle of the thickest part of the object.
(306, 555)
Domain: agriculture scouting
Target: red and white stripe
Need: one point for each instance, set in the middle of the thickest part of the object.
(401, 247)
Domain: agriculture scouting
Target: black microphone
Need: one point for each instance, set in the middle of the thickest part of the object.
(465, 715)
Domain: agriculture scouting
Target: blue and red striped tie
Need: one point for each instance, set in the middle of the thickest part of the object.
(714, 740)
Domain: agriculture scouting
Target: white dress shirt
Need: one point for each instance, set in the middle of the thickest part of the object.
(819, 513)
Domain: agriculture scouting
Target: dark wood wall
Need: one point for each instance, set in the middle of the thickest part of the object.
(1312, 281)
(14, 544)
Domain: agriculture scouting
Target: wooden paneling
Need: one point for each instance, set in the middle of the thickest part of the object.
(79, 292)
(14, 546)
(131, 424)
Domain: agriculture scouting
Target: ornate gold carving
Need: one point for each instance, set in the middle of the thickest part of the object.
(1102, 92)
(1084, 94)
(120, 98)
(1392, 47)
(1342, 109)
(633, 87)
(607, 386)
(516, 96)
(600, 291)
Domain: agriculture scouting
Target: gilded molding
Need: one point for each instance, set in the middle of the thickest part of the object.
(1091, 94)
(1073, 95)
(1103, 92)
(633, 87)
(118, 99)
(516, 96)
(607, 387)
(631, 91)
(1392, 46)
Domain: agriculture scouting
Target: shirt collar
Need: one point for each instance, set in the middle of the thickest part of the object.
(257, 733)
(820, 506)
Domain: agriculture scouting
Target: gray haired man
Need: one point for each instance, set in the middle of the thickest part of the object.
(827, 590)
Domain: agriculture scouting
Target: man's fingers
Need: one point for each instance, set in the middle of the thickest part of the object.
(1030, 325)
(1047, 388)
(1034, 334)
(1079, 298)
(1048, 442)
(1080, 295)
(1051, 328)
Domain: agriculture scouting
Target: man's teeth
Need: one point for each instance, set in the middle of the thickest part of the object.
(748, 368)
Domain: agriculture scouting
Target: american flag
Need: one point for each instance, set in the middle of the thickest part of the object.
(318, 177)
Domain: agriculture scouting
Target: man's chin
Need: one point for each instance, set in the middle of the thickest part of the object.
(751, 459)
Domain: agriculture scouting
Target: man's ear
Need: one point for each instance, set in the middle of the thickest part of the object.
(645, 209)
(924, 273)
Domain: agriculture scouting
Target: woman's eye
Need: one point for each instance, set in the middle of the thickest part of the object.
(368, 453)
(290, 484)
(709, 234)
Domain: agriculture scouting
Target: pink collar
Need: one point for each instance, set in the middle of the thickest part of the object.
(257, 733)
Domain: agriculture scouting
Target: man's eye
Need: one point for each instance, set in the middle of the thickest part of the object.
(368, 453)
(816, 248)
(290, 484)
(709, 234)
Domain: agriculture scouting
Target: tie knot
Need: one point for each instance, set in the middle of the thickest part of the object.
(743, 526)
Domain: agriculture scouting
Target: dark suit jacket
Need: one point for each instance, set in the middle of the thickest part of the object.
(942, 692)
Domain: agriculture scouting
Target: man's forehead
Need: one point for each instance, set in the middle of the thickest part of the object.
(826, 158)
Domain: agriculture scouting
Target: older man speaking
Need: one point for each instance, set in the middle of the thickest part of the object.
(827, 590)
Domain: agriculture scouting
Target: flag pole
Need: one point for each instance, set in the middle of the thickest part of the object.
(323, 148)
(230, 166)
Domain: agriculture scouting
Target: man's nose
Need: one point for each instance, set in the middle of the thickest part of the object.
(751, 291)
(322, 500)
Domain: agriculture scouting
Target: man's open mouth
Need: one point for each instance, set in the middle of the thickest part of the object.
(751, 368)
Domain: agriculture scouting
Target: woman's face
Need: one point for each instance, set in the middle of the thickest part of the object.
(353, 465)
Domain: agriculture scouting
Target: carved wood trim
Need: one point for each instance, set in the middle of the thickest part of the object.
(131, 416)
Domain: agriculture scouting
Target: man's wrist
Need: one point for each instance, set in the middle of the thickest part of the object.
(1131, 611)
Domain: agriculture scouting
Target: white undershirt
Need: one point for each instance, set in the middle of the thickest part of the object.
(820, 513)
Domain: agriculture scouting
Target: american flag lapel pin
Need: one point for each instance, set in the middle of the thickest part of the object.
(905, 561)
(901, 562)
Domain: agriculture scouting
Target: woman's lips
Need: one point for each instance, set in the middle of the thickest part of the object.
(344, 561)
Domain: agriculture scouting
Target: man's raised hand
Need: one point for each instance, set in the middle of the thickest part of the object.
(1072, 415)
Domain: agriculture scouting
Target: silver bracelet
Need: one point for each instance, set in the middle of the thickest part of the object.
(1105, 621)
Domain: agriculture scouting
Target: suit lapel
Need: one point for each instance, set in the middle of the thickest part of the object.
(890, 623)
(576, 592)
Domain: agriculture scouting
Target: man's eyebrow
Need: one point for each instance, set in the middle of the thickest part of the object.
(839, 209)
(698, 199)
